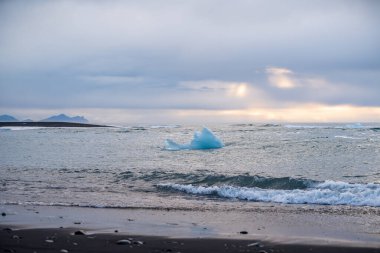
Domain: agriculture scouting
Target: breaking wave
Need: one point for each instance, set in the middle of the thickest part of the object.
(207, 179)
(323, 193)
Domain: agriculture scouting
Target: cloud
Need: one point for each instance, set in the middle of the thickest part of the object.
(234, 89)
(281, 78)
(49, 34)
(188, 55)
(110, 80)
(284, 78)
(294, 87)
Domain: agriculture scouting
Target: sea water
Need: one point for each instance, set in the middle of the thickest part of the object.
(330, 165)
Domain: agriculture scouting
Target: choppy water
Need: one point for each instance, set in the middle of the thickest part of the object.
(332, 164)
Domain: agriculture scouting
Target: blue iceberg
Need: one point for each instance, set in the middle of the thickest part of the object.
(202, 140)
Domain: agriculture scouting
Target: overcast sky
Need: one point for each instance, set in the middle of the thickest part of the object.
(191, 61)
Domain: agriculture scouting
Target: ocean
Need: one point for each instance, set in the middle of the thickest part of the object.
(306, 165)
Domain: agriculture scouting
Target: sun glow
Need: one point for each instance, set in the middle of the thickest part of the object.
(312, 113)
(297, 113)
(280, 78)
(238, 90)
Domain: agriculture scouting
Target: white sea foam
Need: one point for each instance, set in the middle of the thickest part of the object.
(202, 140)
(347, 126)
(326, 193)
(305, 126)
(347, 137)
(164, 126)
(355, 126)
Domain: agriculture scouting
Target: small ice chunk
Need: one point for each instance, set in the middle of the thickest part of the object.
(202, 140)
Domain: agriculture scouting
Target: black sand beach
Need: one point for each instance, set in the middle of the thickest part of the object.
(65, 240)
(76, 229)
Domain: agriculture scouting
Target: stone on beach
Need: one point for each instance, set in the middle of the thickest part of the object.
(79, 232)
(9, 250)
(8, 229)
(124, 242)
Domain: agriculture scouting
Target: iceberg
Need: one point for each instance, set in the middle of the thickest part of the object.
(202, 140)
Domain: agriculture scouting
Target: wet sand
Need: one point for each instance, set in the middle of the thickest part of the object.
(65, 240)
(52, 229)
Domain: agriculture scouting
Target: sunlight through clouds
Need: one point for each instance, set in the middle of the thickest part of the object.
(281, 78)
(238, 90)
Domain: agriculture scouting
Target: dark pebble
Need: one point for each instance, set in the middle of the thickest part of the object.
(9, 250)
(3, 214)
(8, 229)
(77, 223)
(123, 242)
(243, 232)
(253, 244)
(116, 231)
(79, 232)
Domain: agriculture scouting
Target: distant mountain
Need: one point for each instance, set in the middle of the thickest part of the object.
(65, 118)
(27, 120)
(8, 118)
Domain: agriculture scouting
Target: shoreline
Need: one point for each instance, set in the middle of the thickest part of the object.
(48, 124)
(182, 231)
